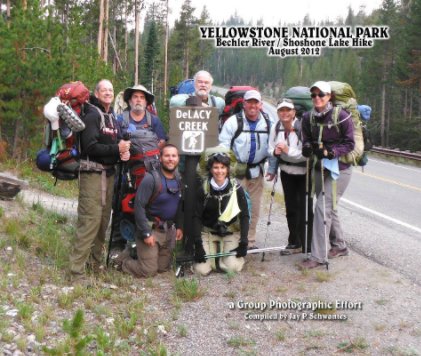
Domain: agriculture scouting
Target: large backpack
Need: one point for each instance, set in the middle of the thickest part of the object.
(144, 157)
(234, 99)
(301, 99)
(61, 154)
(237, 169)
(344, 96)
(184, 87)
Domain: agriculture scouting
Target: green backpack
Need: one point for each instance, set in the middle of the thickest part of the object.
(237, 169)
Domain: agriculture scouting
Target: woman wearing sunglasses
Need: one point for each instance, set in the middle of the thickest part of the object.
(221, 219)
(328, 134)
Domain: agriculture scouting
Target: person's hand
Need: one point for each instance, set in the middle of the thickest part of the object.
(307, 150)
(329, 154)
(281, 148)
(178, 234)
(123, 146)
(270, 177)
(241, 250)
(150, 241)
(319, 152)
(199, 252)
(125, 156)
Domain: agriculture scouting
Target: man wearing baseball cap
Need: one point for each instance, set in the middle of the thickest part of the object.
(247, 134)
(286, 145)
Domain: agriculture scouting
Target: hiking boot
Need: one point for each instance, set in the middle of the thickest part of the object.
(336, 252)
(80, 279)
(291, 249)
(310, 264)
(71, 118)
(96, 268)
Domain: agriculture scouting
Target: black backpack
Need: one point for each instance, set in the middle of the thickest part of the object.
(240, 127)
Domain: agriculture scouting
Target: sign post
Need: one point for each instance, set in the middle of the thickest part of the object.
(192, 130)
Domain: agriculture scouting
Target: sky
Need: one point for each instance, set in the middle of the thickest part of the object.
(273, 11)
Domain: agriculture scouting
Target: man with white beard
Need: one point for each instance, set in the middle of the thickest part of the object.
(201, 97)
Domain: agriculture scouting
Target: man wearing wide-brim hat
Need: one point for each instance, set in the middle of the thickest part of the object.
(137, 116)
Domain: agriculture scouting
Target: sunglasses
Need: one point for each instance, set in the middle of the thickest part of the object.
(285, 100)
(320, 95)
(172, 191)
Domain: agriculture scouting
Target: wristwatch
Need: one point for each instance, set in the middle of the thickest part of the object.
(148, 234)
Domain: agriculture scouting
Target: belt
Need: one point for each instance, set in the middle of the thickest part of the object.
(163, 225)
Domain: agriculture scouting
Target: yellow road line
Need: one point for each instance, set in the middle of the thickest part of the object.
(391, 181)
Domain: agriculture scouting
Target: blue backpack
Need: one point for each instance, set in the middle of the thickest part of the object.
(184, 87)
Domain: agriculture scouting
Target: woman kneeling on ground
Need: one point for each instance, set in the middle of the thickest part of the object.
(221, 219)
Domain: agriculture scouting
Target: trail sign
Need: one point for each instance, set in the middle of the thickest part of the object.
(192, 129)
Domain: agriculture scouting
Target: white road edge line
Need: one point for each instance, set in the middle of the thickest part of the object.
(386, 217)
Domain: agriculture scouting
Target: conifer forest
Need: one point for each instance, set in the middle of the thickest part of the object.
(45, 44)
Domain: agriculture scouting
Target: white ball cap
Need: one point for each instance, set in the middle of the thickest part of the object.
(252, 94)
(322, 86)
(285, 104)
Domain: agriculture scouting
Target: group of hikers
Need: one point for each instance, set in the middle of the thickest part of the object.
(306, 150)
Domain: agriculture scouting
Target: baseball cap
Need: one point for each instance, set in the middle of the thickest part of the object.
(322, 86)
(252, 94)
(285, 103)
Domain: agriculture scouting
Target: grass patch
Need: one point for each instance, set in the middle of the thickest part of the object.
(323, 276)
(280, 335)
(28, 171)
(188, 289)
(239, 341)
(182, 331)
(358, 344)
(25, 311)
(381, 301)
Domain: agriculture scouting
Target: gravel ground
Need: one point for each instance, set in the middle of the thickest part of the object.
(381, 308)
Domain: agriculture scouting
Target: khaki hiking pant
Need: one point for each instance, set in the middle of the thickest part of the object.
(92, 222)
(254, 187)
(152, 259)
(334, 232)
(213, 244)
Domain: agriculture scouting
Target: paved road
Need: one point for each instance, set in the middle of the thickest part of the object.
(381, 213)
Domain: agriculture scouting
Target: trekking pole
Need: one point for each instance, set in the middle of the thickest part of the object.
(116, 204)
(272, 195)
(324, 211)
(307, 205)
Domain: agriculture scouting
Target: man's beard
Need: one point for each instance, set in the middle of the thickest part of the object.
(202, 93)
(138, 109)
(168, 170)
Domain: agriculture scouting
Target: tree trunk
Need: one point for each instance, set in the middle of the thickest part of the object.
(411, 101)
(136, 46)
(383, 116)
(106, 29)
(166, 55)
(126, 35)
(101, 25)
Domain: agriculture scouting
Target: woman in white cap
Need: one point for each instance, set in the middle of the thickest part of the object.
(285, 143)
(328, 134)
